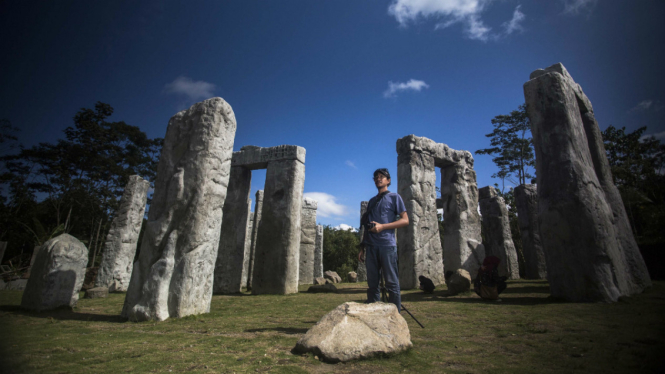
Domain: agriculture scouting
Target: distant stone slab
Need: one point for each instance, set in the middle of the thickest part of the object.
(332, 276)
(459, 282)
(496, 227)
(323, 288)
(56, 275)
(353, 331)
(352, 276)
(96, 293)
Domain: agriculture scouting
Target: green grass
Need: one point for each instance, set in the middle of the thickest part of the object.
(526, 333)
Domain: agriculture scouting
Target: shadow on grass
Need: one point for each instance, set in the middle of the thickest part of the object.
(469, 298)
(541, 289)
(283, 330)
(63, 314)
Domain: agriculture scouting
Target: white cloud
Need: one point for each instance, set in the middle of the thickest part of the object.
(194, 90)
(466, 12)
(343, 226)
(514, 24)
(350, 164)
(659, 136)
(645, 105)
(411, 85)
(326, 204)
(575, 7)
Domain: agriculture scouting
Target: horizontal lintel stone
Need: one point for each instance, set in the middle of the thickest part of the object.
(253, 157)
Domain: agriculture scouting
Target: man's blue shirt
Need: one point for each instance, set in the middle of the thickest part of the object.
(384, 211)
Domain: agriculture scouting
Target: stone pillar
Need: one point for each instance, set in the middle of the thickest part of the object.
(115, 269)
(307, 241)
(35, 252)
(3, 247)
(462, 240)
(278, 239)
(258, 207)
(230, 257)
(591, 253)
(526, 200)
(361, 270)
(496, 226)
(174, 274)
(419, 243)
(57, 274)
(318, 252)
(248, 246)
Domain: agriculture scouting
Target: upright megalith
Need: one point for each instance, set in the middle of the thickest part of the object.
(307, 241)
(277, 253)
(526, 201)
(420, 250)
(174, 274)
(318, 252)
(590, 250)
(56, 275)
(258, 207)
(115, 269)
(248, 246)
(496, 226)
(361, 269)
(230, 257)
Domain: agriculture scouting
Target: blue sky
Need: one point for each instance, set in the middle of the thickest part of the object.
(344, 79)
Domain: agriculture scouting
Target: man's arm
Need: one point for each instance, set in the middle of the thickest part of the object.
(401, 222)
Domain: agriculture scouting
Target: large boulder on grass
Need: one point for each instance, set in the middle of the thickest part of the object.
(324, 288)
(332, 276)
(459, 282)
(57, 274)
(352, 331)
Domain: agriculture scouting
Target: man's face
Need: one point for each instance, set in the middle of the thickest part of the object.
(381, 181)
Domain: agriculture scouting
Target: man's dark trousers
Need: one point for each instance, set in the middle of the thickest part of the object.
(385, 260)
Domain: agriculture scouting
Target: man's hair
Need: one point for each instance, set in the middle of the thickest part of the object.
(384, 172)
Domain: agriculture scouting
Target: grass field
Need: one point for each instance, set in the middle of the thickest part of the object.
(525, 333)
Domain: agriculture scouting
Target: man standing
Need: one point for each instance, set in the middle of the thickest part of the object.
(379, 239)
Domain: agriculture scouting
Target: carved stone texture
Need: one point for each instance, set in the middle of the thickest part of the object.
(278, 239)
(230, 257)
(590, 250)
(174, 274)
(307, 241)
(526, 200)
(122, 239)
(318, 252)
(57, 274)
(352, 331)
(258, 207)
(496, 226)
(361, 269)
(248, 246)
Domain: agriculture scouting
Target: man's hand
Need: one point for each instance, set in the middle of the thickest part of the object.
(360, 256)
(378, 227)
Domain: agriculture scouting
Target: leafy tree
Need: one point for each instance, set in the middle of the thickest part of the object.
(512, 147)
(340, 250)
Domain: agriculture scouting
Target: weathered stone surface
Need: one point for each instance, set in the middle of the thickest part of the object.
(459, 282)
(318, 252)
(323, 288)
(278, 239)
(361, 269)
(57, 274)
(230, 256)
(590, 251)
(174, 274)
(35, 252)
(253, 157)
(352, 331)
(320, 280)
(307, 241)
(526, 201)
(96, 293)
(496, 226)
(122, 239)
(332, 276)
(258, 207)
(248, 247)
(352, 276)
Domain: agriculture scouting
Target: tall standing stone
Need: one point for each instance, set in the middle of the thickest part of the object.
(361, 270)
(174, 274)
(526, 200)
(496, 226)
(230, 257)
(121, 241)
(590, 250)
(56, 275)
(258, 207)
(278, 239)
(248, 247)
(307, 241)
(318, 253)
(3, 247)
